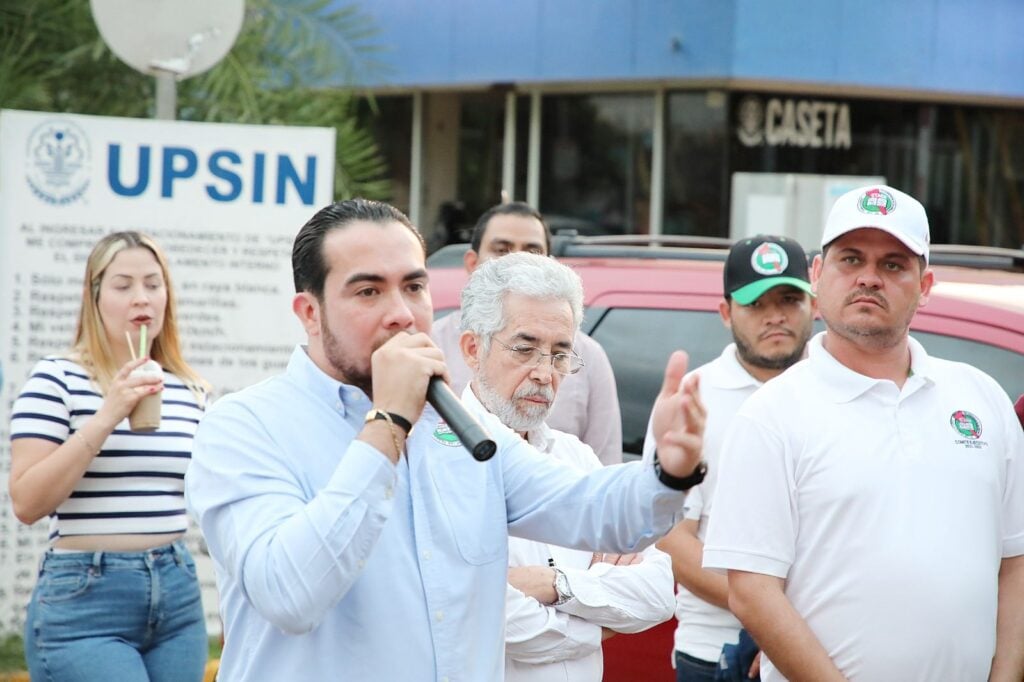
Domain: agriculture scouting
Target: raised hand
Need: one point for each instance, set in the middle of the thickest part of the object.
(678, 419)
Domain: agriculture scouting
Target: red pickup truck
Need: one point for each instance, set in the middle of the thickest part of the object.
(647, 296)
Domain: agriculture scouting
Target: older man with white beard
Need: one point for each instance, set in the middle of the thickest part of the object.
(520, 314)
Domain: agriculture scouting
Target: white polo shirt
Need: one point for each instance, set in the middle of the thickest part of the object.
(887, 511)
(724, 386)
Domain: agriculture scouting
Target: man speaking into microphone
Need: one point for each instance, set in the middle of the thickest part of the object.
(354, 537)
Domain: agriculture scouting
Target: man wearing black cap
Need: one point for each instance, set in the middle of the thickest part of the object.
(769, 309)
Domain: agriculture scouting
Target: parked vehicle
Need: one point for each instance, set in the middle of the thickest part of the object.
(647, 296)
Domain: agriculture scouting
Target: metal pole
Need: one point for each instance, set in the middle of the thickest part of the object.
(416, 160)
(508, 158)
(166, 96)
(533, 156)
(657, 199)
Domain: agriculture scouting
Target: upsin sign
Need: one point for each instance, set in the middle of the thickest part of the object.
(793, 123)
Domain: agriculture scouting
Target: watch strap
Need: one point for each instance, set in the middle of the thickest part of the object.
(396, 419)
(681, 482)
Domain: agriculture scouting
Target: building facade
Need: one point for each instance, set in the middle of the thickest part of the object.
(633, 117)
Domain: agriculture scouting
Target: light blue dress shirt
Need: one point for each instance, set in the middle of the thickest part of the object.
(333, 563)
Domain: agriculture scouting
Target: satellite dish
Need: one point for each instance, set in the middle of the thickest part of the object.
(179, 37)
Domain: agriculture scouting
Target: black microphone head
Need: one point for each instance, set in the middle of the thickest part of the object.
(484, 450)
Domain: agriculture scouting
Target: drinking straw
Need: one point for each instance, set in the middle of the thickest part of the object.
(142, 341)
(131, 346)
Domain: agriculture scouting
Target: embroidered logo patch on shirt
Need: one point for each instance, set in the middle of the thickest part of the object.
(967, 425)
(445, 436)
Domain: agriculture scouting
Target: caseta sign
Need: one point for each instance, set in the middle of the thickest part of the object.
(225, 203)
(780, 122)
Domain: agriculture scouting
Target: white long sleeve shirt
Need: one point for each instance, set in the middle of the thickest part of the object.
(548, 643)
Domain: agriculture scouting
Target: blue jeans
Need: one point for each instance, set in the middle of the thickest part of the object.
(737, 658)
(117, 617)
(691, 669)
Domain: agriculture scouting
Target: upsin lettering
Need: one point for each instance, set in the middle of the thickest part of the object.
(227, 176)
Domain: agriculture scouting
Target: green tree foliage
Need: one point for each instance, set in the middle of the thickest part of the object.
(52, 58)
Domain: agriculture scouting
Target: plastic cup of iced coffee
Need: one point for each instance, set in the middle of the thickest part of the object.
(146, 415)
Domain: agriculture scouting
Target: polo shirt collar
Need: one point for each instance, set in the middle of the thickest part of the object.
(342, 397)
(845, 385)
(728, 373)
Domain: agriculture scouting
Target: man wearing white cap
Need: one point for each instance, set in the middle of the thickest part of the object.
(870, 501)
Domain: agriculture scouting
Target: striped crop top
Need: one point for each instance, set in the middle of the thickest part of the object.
(136, 483)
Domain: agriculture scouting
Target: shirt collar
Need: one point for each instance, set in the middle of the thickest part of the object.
(542, 438)
(342, 397)
(845, 384)
(728, 373)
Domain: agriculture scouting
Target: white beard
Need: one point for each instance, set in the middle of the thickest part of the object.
(520, 419)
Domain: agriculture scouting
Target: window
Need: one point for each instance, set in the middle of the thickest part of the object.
(638, 342)
(1003, 365)
(391, 126)
(963, 163)
(596, 162)
(481, 135)
(696, 178)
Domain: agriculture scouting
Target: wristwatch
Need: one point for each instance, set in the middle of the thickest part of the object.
(390, 417)
(562, 589)
(681, 483)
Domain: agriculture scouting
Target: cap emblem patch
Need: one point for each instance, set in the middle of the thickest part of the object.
(876, 202)
(769, 259)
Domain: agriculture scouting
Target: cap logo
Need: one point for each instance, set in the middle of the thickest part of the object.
(769, 259)
(876, 202)
(966, 424)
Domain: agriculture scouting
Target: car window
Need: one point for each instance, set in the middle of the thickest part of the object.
(1003, 365)
(638, 342)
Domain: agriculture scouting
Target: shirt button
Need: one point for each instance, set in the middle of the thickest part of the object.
(426, 555)
(439, 615)
(389, 492)
(361, 564)
(444, 679)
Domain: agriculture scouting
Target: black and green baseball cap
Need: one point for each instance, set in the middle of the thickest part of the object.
(757, 264)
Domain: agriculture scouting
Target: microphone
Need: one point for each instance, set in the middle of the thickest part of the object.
(473, 436)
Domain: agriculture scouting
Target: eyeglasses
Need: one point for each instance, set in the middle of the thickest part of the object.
(563, 363)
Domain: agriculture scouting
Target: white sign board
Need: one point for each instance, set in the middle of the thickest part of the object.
(224, 201)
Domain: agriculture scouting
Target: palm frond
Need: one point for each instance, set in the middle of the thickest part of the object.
(52, 58)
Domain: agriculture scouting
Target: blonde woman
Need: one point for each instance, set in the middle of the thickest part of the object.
(117, 596)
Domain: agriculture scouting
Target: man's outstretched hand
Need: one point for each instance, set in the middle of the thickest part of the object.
(678, 419)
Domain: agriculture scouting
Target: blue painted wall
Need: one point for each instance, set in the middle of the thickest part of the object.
(957, 46)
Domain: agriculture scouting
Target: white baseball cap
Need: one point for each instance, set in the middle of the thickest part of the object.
(883, 208)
